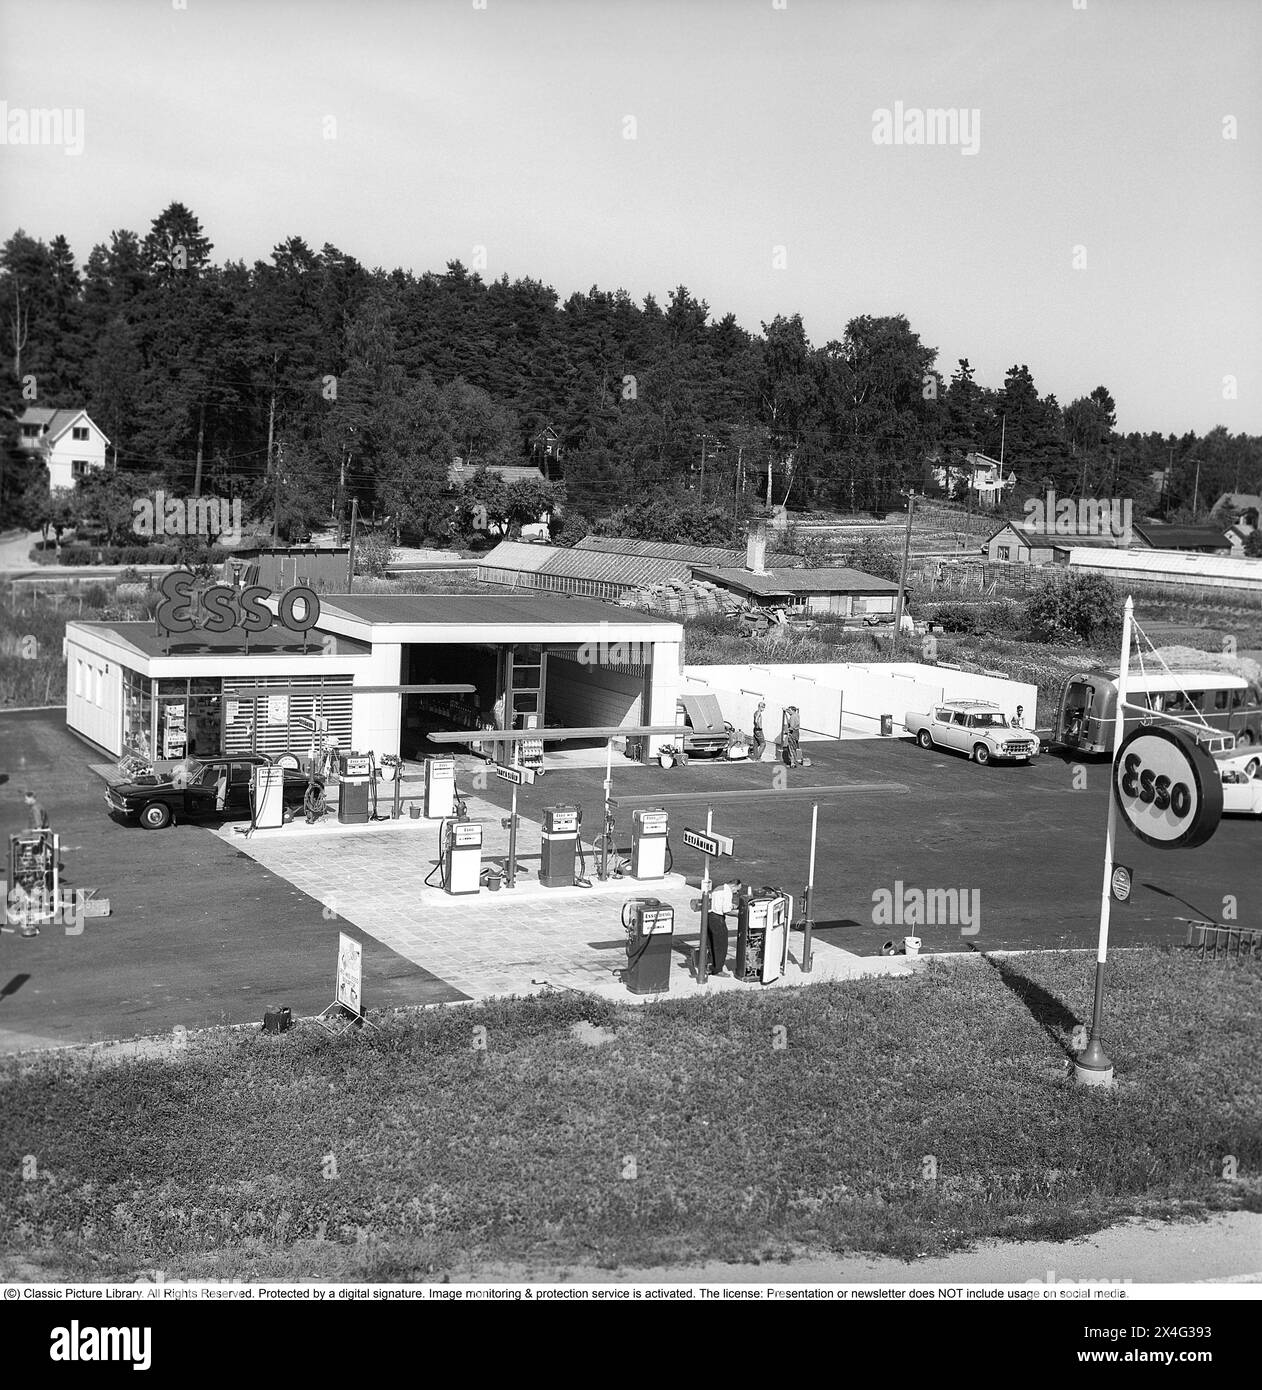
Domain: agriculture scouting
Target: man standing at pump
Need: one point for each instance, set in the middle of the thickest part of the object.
(760, 741)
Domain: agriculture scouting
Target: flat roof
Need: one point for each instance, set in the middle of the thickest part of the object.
(480, 610)
(144, 637)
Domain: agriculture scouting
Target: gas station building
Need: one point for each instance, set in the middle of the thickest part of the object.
(550, 660)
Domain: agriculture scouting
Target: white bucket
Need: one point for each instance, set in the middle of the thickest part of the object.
(911, 945)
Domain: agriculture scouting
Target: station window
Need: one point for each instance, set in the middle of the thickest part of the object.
(137, 714)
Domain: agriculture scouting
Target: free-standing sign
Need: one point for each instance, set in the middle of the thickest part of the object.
(1167, 788)
(350, 971)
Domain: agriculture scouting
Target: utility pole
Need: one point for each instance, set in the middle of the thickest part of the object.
(902, 573)
(703, 466)
(341, 494)
(280, 451)
(1196, 491)
(350, 558)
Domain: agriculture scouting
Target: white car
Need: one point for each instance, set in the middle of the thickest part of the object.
(1241, 772)
(976, 728)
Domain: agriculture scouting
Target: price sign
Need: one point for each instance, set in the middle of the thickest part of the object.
(350, 971)
(1167, 788)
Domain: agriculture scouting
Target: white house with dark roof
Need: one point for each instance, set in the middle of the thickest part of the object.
(69, 441)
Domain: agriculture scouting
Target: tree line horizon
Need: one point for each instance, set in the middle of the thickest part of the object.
(306, 381)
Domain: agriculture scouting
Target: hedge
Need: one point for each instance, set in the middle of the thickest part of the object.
(76, 554)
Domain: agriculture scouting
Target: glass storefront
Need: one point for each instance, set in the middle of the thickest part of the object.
(138, 715)
(169, 719)
(172, 718)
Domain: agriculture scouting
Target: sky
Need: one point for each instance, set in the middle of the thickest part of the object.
(1096, 213)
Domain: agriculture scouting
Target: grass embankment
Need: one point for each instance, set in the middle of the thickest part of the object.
(690, 1135)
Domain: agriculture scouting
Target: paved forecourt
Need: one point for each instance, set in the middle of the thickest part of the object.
(514, 941)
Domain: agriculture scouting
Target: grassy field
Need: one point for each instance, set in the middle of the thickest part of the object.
(741, 1127)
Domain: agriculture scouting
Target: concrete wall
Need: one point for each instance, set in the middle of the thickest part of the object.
(826, 693)
(667, 684)
(376, 719)
(94, 697)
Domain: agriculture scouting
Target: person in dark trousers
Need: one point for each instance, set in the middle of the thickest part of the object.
(760, 741)
(36, 816)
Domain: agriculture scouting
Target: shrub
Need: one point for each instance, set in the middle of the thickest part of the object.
(79, 554)
(1074, 608)
(373, 554)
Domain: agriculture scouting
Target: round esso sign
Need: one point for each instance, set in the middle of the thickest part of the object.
(1167, 788)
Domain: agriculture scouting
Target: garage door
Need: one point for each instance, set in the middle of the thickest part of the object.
(581, 696)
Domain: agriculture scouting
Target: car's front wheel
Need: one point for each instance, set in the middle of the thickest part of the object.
(923, 738)
(155, 816)
(981, 754)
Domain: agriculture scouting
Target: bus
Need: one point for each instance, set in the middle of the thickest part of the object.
(1088, 706)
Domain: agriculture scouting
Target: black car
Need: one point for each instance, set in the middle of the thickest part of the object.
(200, 789)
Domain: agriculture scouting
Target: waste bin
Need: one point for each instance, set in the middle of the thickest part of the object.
(887, 725)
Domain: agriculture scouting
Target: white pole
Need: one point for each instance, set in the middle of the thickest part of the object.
(1093, 1067)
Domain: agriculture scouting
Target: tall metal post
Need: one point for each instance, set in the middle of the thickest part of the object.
(703, 949)
(604, 837)
(511, 880)
(1093, 1067)
(808, 923)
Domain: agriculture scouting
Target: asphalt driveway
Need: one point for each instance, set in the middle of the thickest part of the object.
(199, 934)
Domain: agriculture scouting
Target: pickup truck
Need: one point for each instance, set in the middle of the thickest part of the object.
(976, 728)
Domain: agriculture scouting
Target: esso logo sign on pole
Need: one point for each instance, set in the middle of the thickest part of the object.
(1167, 788)
(224, 607)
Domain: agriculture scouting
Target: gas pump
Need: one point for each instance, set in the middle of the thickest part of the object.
(560, 844)
(440, 788)
(34, 870)
(762, 935)
(267, 798)
(650, 843)
(462, 857)
(650, 927)
(355, 780)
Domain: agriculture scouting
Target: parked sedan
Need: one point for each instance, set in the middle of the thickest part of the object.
(976, 728)
(199, 789)
(1241, 772)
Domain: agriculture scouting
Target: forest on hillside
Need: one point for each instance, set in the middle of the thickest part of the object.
(307, 379)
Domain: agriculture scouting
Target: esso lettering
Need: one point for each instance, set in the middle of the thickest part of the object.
(1155, 789)
(224, 607)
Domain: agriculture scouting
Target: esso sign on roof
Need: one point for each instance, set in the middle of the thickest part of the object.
(222, 607)
(1167, 788)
